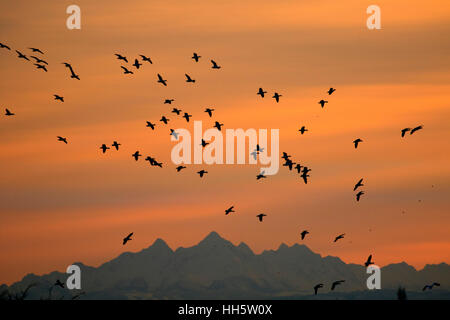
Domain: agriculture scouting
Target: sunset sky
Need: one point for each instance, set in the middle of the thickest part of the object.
(61, 204)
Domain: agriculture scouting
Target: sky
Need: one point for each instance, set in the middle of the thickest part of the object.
(61, 204)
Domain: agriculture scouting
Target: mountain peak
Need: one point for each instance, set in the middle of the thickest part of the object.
(213, 238)
(159, 244)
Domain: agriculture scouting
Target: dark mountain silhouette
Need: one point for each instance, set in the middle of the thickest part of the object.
(217, 269)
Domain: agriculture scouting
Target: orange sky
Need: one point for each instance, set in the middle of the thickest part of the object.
(60, 204)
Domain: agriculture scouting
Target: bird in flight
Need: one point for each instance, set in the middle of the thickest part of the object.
(303, 130)
(144, 58)
(215, 65)
(304, 233)
(179, 168)
(277, 96)
(218, 125)
(62, 139)
(72, 73)
(127, 238)
(40, 66)
(58, 98)
(188, 78)
(2, 45)
(161, 80)
(322, 103)
(298, 167)
(136, 64)
(285, 156)
(187, 116)
(317, 286)
(331, 90)
(341, 236)
(104, 148)
(168, 101)
(59, 284)
(177, 111)
(289, 164)
(38, 60)
(116, 145)
(126, 71)
(9, 113)
(356, 142)
(22, 56)
(358, 195)
(416, 129)
(369, 261)
(204, 143)
(260, 176)
(120, 57)
(431, 286)
(261, 216)
(261, 92)
(151, 125)
(136, 155)
(336, 283)
(202, 172)
(196, 57)
(36, 50)
(174, 134)
(229, 210)
(305, 176)
(359, 184)
(404, 131)
(209, 111)
(164, 119)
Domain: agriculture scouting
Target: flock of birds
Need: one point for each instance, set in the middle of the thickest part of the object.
(302, 170)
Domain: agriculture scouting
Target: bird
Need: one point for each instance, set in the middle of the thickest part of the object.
(202, 172)
(104, 148)
(259, 149)
(285, 156)
(218, 125)
(168, 101)
(150, 125)
(59, 284)
(137, 64)
(9, 113)
(72, 73)
(36, 50)
(261, 216)
(260, 176)
(356, 142)
(116, 145)
(127, 238)
(304, 233)
(58, 98)
(303, 130)
(136, 155)
(277, 96)
(151, 160)
(174, 134)
(369, 261)
(298, 167)
(2, 45)
(196, 57)
(126, 71)
(144, 58)
(358, 195)
(161, 80)
(261, 92)
(306, 169)
(164, 119)
(215, 65)
(179, 168)
(187, 116)
(209, 111)
(431, 286)
(404, 131)
(289, 164)
(22, 56)
(188, 78)
(331, 90)
(335, 283)
(358, 184)
(416, 129)
(305, 176)
(120, 57)
(322, 103)
(38, 60)
(229, 210)
(317, 286)
(177, 111)
(40, 66)
(341, 236)
(62, 139)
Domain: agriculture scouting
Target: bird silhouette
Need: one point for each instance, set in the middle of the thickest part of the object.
(8, 113)
(188, 78)
(404, 131)
(62, 139)
(304, 233)
(127, 238)
(120, 57)
(331, 90)
(38, 60)
(261, 92)
(303, 130)
(431, 286)
(305, 176)
(36, 50)
(369, 261)
(317, 287)
(202, 173)
(40, 66)
(59, 283)
(306, 169)
(196, 57)
(164, 119)
(168, 101)
(150, 125)
(204, 143)
(147, 59)
(218, 126)
(136, 155)
(104, 148)
(229, 210)
(136, 64)
(336, 283)
(289, 164)
(187, 116)
(358, 195)
(21, 55)
(58, 98)
(72, 73)
(285, 156)
(356, 142)
(2, 45)
(209, 111)
(116, 145)
(416, 129)
(126, 71)
(174, 134)
(215, 65)
(322, 103)
(277, 96)
(179, 168)
(177, 111)
(260, 176)
(261, 216)
(298, 167)
(161, 80)
(358, 184)
(341, 236)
